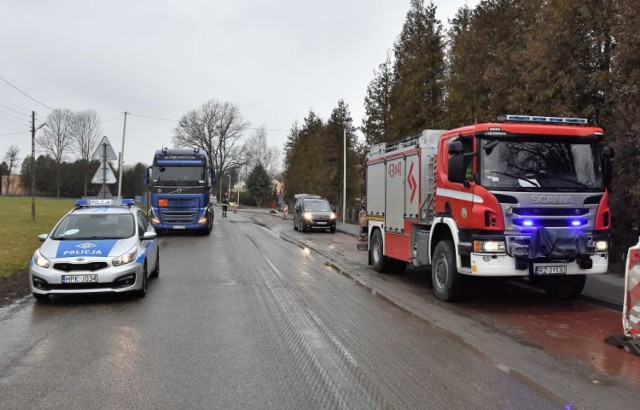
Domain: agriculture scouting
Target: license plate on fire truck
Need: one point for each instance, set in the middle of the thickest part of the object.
(549, 269)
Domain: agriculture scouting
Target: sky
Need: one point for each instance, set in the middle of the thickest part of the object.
(158, 59)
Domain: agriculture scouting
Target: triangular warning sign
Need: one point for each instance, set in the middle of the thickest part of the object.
(104, 151)
(104, 175)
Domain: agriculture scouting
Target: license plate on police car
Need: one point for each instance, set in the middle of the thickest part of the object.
(550, 269)
(79, 278)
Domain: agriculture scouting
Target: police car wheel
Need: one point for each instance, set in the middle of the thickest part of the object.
(142, 292)
(156, 271)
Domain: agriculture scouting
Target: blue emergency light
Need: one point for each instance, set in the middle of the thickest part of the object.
(83, 203)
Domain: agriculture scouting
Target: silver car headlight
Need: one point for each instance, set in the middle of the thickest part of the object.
(40, 260)
(332, 216)
(128, 257)
(307, 216)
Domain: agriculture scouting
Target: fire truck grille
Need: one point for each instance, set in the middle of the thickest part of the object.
(550, 211)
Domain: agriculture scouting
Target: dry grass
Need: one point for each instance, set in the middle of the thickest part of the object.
(19, 233)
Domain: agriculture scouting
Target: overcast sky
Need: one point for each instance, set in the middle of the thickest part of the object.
(275, 59)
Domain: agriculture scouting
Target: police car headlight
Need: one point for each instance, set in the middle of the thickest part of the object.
(126, 258)
(602, 246)
(332, 216)
(40, 260)
(489, 246)
(307, 216)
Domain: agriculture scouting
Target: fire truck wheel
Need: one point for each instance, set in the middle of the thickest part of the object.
(447, 282)
(564, 287)
(376, 256)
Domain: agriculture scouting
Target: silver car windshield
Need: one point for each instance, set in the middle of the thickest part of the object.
(526, 165)
(95, 226)
(318, 206)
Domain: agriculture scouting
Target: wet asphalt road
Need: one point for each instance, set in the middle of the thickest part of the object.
(251, 318)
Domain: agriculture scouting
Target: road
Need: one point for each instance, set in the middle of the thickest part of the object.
(259, 316)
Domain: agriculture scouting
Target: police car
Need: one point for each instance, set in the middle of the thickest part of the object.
(100, 246)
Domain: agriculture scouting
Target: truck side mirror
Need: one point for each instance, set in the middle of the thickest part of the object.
(456, 169)
(456, 147)
(148, 175)
(608, 152)
(212, 174)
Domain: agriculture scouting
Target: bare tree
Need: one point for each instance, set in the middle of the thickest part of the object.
(256, 151)
(85, 133)
(57, 139)
(11, 158)
(217, 128)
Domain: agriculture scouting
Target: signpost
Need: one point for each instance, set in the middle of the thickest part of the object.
(104, 175)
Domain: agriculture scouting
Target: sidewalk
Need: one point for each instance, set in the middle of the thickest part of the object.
(607, 288)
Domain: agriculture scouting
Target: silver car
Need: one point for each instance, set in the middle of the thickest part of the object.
(101, 246)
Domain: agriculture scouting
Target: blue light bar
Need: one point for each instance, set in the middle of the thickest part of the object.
(576, 222)
(527, 223)
(537, 119)
(104, 202)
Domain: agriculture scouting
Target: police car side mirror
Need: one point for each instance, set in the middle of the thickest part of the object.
(147, 236)
(43, 237)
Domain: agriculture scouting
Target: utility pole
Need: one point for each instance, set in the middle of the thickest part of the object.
(33, 163)
(124, 130)
(344, 175)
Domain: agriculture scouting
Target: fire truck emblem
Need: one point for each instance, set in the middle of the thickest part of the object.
(412, 182)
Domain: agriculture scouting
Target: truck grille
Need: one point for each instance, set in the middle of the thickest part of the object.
(179, 217)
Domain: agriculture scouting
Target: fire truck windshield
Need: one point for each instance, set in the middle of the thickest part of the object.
(178, 175)
(525, 164)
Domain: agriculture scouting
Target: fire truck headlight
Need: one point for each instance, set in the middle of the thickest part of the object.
(307, 216)
(40, 260)
(126, 258)
(602, 246)
(489, 246)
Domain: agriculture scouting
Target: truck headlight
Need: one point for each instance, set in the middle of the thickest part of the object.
(40, 260)
(153, 218)
(602, 246)
(489, 246)
(126, 258)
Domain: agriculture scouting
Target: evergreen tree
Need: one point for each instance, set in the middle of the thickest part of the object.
(624, 127)
(377, 104)
(417, 95)
(259, 184)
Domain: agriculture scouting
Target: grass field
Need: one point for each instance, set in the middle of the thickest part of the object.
(19, 234)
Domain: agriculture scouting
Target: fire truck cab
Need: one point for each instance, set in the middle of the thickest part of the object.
(524, 196)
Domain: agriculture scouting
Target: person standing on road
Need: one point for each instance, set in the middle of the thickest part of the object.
(225, 204)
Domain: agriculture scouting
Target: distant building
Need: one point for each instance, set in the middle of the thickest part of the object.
(242, 185)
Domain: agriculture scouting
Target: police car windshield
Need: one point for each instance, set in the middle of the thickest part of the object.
(565, 165)
(95, 226)
(319, 206)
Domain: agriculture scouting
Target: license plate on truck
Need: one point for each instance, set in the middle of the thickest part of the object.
(549, 269)
(79, 278)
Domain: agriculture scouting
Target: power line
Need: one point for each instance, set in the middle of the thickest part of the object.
(26, 110)
(111, 119)
(14, 133)
(12, 114)
(152, 118)
(14, 110)
(25, 94)
(9, 119)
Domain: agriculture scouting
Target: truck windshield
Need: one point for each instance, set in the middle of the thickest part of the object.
(565, 165)
(178, 175)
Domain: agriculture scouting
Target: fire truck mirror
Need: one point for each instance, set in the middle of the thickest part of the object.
(456, 169)
(456, 147)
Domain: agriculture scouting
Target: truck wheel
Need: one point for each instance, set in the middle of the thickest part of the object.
(376, 256)
(563, 287)
(447, 282)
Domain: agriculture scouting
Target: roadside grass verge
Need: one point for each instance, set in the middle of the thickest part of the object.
(19, 234)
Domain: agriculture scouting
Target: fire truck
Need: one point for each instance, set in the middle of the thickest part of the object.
(525, 196)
